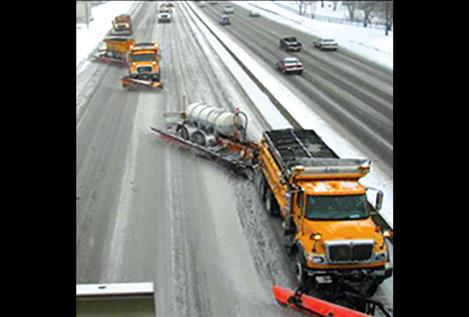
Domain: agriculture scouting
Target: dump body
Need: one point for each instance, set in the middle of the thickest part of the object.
(323, 205)
(120, 45)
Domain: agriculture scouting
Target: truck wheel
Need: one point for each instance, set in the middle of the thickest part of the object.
(184, 133)
(299, 271)
(271, 203)
(199, 138)
(263, 187)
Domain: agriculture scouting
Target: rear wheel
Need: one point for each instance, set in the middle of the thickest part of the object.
(271, 204)
(199, 138)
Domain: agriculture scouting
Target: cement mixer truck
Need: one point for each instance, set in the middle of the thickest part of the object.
(213, 133)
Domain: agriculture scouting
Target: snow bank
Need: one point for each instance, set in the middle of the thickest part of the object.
(369, 43)
(89, 38)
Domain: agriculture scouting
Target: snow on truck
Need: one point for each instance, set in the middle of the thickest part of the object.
(335, 244)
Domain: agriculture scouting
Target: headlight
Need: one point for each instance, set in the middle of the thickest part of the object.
(380, 256)
(315, 258)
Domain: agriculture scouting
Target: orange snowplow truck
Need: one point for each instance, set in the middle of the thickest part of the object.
(122, 24)
(144, 65)
(144, 58)
(325, 210)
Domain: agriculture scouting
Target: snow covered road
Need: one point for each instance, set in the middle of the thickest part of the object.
(148, 212)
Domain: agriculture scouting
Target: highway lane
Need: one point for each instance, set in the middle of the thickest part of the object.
(354, 96)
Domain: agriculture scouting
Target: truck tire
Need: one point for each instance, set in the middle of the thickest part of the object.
(271, 203)
(263, 187)
(299, 265)
(184, 133)
(198, 137)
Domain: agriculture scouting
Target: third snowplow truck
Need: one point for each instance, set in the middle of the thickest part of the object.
(324, 210)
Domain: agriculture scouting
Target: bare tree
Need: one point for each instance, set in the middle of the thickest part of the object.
(369, 8)
(389, 14)
(335, 5)
(384, 10)
(352, 6)
(301, 6)
(322, 3)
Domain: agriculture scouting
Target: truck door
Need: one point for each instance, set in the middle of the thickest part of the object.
(298, 207)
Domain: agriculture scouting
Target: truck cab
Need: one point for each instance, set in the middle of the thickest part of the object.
(144, 59)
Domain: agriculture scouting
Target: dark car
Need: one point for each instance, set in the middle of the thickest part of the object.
(290, 43)
(290, 65)
(225, 20)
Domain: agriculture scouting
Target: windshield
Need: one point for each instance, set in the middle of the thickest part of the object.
(143, 58)
(336, 207)
(291, 61)
(290, 39)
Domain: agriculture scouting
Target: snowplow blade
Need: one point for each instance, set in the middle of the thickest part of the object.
(223, 157)
(128, 81)
(312, 306)
(109, 60)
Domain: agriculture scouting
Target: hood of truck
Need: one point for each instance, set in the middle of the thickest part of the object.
(363, 229)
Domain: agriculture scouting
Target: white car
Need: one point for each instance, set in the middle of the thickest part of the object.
(164, 17)
(326, 44)
(254, 13)
(228, 9)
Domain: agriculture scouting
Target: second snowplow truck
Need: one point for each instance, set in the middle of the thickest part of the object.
(144, 65)
(324, 209)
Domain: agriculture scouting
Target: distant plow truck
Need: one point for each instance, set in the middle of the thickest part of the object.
(122, 25)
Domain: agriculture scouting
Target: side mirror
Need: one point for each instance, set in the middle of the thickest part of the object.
(379, 200)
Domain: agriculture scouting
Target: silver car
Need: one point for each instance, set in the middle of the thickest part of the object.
(228, 9)
(325, 44)
(254, 13)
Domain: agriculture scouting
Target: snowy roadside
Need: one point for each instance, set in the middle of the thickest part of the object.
(89, 38)
(306, 117)
(369, 43)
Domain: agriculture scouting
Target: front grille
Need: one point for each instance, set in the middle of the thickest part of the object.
(350, 251)
(144, 69)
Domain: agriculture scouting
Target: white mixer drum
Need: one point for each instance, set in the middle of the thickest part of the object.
(206, 116)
